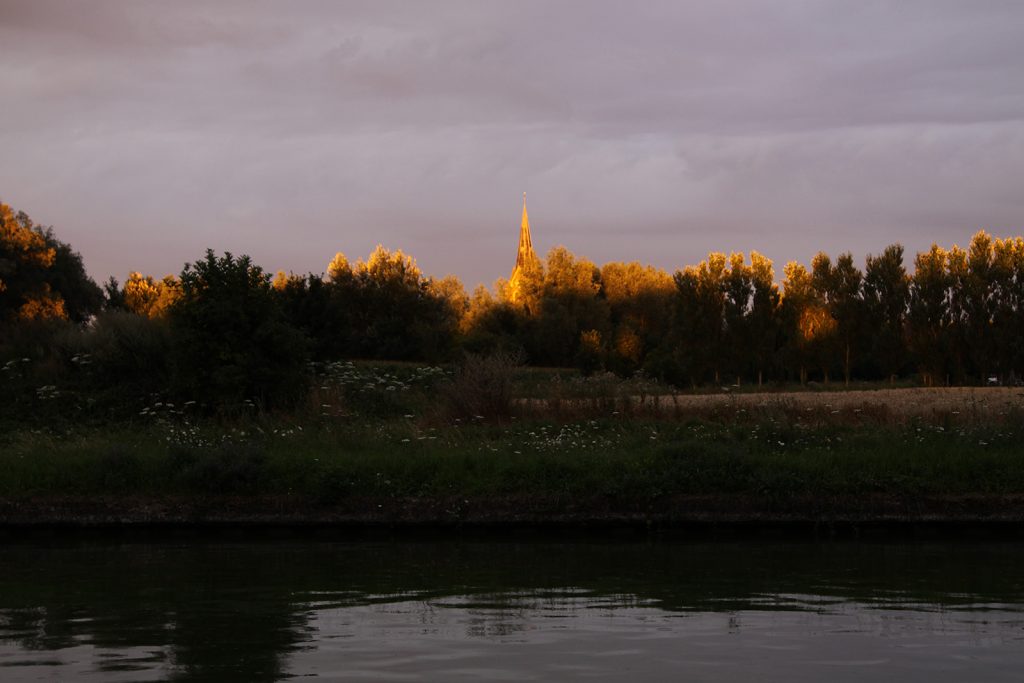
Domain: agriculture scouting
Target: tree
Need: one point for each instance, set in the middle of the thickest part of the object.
(452, 307)
(309, 306)
(568, 306)
(977, 297)
(955, 327)
(840, 287)
(804, 317)
(763, 316)
(67, 279)
(928, 316)
(40, 276)
(637, 297)
(691, 352)
(738, 290)
(233, 342)
(492, 325)
(148, 297)
(24, 258)
(886, 296)
(397, 314)
(1008, 312)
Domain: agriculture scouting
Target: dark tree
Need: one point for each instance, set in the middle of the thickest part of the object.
(886, 297)
(233, 340)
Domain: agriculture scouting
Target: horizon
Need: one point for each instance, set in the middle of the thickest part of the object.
(147, 133)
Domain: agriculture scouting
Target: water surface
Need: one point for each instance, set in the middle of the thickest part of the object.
(75, 608)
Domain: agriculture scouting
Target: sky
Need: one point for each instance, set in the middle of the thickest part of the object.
(656, 131)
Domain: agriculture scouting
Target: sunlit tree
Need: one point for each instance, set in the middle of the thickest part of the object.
(1008, 312)
(40, 276)
(527, 292)
(805, 319)
(569, 305)
(638, 297)
(738, 291)
(24, 258)
(763, 316)
(450, 290)
(929, 319)
(976, 303)
(384, 307)
(492, 324)
(148, 297)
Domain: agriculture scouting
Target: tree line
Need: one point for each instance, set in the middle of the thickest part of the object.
(226, 328)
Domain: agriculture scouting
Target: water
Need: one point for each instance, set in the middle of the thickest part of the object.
(95, 609)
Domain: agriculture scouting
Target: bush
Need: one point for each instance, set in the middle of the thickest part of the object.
(124, 349)
(481, 387)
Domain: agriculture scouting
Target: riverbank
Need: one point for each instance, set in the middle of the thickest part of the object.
(677, 512)
(763, 461)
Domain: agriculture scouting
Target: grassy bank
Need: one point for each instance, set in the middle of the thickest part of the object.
(486, 441)
(597, 467)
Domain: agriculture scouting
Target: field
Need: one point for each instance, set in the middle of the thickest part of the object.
(957, 405)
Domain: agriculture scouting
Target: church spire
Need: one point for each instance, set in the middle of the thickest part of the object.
(525, 254)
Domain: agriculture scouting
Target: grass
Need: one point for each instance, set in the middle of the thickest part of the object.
(373, 434)
(634, 460)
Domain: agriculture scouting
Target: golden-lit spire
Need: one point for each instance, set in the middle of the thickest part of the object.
(524, 256)
(525, 253)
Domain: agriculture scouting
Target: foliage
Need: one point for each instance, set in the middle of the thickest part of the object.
(40, 276)
(145, 296)
(232, 340)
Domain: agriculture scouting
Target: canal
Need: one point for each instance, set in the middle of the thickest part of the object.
(245, 608)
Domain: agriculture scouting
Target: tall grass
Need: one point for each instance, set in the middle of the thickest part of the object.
(390, 432)
(638, 461)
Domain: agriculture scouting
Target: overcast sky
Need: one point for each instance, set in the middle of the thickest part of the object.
(145, 132)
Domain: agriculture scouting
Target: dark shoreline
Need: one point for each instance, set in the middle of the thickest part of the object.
(1002, 516)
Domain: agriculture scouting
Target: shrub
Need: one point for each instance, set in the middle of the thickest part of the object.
(481, 387)
(124, 349)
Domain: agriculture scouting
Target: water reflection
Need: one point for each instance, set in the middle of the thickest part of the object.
(260, 611)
